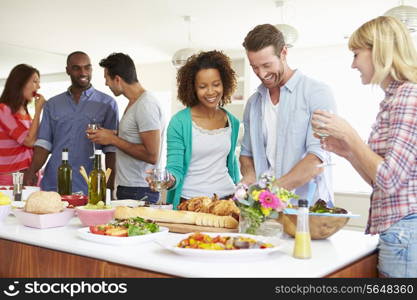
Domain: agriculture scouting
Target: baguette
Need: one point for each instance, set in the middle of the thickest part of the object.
(175, 216)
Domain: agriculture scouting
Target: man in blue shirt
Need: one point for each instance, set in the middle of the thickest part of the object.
(64, 124)
(278, 135)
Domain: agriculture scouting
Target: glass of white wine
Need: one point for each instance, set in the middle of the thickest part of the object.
(322, 135)
(160, 179)
(93, 126)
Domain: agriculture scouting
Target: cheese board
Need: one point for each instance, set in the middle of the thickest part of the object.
(187, 228)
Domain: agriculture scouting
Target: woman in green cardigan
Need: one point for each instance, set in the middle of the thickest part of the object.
(201, 139)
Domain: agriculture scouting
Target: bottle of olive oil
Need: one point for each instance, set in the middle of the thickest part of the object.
(65, 175)
(97, 181)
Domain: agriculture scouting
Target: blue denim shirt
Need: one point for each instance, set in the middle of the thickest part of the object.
(299, 98)
(63, 125)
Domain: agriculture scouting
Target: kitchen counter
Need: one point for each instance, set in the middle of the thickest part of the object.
(29, 247)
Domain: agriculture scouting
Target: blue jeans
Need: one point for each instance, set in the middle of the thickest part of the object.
(136, 193)
(398, 249)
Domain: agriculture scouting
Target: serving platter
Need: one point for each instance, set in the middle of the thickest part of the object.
(170, 243)
(292, 211)
(85, 234)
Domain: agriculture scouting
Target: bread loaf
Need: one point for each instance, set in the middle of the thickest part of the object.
(212, 206)
(42, 202)
(175, 216)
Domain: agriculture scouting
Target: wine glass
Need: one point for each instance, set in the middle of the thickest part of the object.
(321, 125)
(160, 179)
(93, 126)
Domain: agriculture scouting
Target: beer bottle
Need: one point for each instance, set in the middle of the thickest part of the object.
(65, 175)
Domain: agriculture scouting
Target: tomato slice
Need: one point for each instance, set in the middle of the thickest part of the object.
(98, 229)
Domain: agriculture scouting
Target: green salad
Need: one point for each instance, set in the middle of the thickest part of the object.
(136, 226)
(321, 207)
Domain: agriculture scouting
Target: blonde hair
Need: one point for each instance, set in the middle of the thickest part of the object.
(393, 51)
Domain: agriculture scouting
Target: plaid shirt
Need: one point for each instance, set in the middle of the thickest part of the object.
(394, 137)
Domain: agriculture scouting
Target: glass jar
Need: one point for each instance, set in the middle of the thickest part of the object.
(269, 227)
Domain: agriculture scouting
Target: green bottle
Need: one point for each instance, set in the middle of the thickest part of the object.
(64, 175)
(97, 181)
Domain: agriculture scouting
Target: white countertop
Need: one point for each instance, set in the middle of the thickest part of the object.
(328, 255)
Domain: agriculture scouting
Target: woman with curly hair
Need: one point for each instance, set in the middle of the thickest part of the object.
(202, 138)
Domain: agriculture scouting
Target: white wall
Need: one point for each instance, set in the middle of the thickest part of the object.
(357, 204)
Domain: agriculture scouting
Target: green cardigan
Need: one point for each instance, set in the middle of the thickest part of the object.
(179, 149)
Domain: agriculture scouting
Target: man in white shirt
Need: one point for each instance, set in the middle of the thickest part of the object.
(141, 129)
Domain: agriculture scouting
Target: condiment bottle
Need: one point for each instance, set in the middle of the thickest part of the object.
(64, 175)
(302, 246)
(17, 186)
(97, 181)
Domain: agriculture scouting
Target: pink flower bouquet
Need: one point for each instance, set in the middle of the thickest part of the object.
(260, 201)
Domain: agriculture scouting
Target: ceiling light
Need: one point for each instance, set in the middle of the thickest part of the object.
(180, 56)
(289, 32)
(406, 14)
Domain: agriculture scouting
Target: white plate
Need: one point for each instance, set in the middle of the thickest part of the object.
(85, 234)
(171, 242)
(127, 202)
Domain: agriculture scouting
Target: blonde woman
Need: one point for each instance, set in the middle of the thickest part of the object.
(384, 54)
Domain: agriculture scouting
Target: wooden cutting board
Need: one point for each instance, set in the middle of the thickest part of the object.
(186, 228)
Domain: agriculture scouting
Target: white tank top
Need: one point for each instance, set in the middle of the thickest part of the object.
(207, 172)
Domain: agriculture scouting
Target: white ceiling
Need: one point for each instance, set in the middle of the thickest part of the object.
(43, 32)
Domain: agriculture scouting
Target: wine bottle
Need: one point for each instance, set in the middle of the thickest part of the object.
(65, 175)
(97, 181)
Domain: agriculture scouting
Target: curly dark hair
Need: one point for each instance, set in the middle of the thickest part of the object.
(202, 61)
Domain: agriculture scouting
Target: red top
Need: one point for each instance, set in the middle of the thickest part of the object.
(14, 128)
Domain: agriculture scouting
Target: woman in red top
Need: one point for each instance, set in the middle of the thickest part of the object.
(18, 132)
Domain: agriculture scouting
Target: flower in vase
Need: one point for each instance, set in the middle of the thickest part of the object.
(268, 200)
(255, 195)
(260, 201)
(266, 211)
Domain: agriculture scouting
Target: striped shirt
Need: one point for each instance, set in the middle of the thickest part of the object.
(394, 137)
(14, 128)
